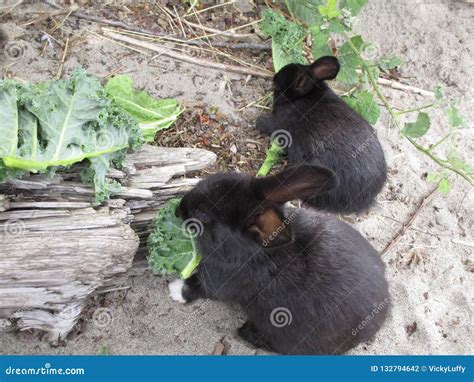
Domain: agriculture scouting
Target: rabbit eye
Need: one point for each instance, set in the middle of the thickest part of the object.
(202, 216)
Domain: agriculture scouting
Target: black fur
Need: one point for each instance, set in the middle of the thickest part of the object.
(323, 271)
(325, 131)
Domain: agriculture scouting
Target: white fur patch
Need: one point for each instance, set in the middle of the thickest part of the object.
(176, 290)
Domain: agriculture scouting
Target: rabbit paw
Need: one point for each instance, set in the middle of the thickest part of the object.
(250, 334)
(264, 124)
(175, 288)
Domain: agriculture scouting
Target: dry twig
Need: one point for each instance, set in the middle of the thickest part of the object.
(186, 58)
(120, 24)
(399, 86)
(227, 33)
(61, 64)
(426, 199)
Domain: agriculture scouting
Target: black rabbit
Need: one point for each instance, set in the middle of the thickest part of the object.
(321, 129)
(308, 282)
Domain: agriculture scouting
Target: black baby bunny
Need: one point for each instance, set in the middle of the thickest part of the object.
(320, 128)
(308, 282)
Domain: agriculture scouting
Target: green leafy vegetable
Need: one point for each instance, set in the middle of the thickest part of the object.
(287, 39)
(364, 103)
(419, 128)
(152, 115)
(96, 175)
(59, 123)
(272, 158)
(171, 249)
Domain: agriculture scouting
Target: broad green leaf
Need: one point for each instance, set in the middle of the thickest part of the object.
(444, 186)
(9, 118)
(387, 63)
(330, 10)
(306, 10)
(96, 175)
(281, 57)
(353, 6)
(455, 120)
(152, 114)
(374, 72)
(61, 125)
(348, 75)
(336, 26)
(287, 39)
(170, 249)
(364, 103)
(457, 162)
(454, 158)
(419, 128)
(320, 45)
(349, 61)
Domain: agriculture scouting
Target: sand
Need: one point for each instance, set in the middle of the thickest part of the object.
(432, 295)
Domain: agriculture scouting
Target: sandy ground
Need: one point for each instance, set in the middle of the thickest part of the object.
(432, 299)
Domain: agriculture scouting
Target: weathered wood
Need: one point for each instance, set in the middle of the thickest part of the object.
(50, 265)
(56, 248)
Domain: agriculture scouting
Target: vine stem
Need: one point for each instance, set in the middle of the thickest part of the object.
(393, 114)
(416, 109)
(449, 135)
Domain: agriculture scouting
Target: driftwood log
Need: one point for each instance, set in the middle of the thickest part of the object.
(57, 249)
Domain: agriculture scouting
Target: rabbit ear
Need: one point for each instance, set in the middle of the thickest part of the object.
(325, 68)
(303, 84)
(302, 182)
(269, 229)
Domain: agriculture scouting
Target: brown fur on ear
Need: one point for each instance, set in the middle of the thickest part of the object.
(303, 84)
(302, 182)
(325, 68)
(269, 229)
